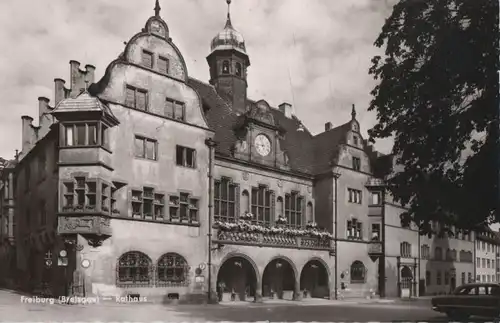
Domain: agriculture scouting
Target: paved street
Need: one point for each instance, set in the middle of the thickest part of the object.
(12, 309)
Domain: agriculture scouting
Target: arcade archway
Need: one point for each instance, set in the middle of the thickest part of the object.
(236, 280)
(278, 280)
(314, 280)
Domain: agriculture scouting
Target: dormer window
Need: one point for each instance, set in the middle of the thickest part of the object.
(238, 69)
(355, 140)
(356, 163)
(225, 67)
(147, 59)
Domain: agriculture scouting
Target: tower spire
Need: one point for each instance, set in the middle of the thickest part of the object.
(157, 8)
(353, 112)
(228, 21)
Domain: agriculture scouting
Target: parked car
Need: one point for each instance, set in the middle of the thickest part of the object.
(476, 299)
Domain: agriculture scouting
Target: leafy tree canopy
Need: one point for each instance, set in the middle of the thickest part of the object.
(437, 94)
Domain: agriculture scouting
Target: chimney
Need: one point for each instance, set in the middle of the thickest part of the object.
(286, 109)
(328, 126)
(59, 91)
(43, 106)
(76, 78)
(28, 133)
(89, 71)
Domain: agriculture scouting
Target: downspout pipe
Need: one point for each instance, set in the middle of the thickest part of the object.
(336, 176)
(211, 147)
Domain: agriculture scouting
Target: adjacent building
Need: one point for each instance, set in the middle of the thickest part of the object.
(7, 223)
(149, 182)
(487, 249)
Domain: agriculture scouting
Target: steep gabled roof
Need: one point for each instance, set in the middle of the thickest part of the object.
(327, 146)
(83, 102)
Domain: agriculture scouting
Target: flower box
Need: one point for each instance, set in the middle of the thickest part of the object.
(148, 216)
(175, 220)
(105, 208)
(137, 216)
(116, 211)
(79, 208)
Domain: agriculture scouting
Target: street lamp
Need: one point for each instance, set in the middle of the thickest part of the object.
(336, 176)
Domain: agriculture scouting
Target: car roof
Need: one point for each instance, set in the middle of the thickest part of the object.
(478, 284)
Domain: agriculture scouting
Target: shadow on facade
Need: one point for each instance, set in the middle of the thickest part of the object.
(278, 280)
(314, 280)
(440, 272)
(236, 280)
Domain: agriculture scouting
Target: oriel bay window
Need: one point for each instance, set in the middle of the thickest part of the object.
(81, 134)
(294, 209)
(225, 200)
(80, 194)
(262, 208)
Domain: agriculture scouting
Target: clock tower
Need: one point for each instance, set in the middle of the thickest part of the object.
(228, 62)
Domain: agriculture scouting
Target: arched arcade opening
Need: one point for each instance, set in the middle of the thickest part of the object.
(278, 280)
(236, 280)
(314, 280)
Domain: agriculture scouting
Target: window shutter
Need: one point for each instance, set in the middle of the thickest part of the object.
(141, 100)
(147, 59)
(130, 97)
(163, 65)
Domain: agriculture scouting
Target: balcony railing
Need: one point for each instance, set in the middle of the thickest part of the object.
(273, 240)
(375, 182)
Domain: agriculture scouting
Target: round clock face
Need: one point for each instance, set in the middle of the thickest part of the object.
(262, 145)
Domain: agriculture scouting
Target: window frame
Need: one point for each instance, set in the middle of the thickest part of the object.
(162, 271)
(294, 198)
(184, 200)
(220, 200)
(354, 229)
(356, 163)
(151, 56)
(167, 65)
(174, 103)
(146, 140)
(261, 205)
(405, 249)
(360, 266)
(355, 196)
(101, 131)
(185, 151)
(153, 197)
(137, 90)
(143, 268)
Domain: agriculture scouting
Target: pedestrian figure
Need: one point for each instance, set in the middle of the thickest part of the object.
(220, 290)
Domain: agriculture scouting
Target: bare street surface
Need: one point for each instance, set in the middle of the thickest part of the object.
(12, 309)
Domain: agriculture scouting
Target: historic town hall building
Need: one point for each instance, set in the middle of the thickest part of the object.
(141, 182)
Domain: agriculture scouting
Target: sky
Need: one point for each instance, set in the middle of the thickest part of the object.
(314, 54)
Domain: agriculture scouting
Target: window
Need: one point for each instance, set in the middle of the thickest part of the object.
(148, 204)
(446, 277)
(183, 207)
(309, 212)
(427, 278)
(463, 278)
(358, 272)
(147, 59)
(405, 250)
(470, 290)
(80, 193)
(375, 198)
(454, 255)
(174, 109)
(425, 252)
(261, 205)
(375, 232)
(225, 193)
(448, 255)
(438, 277)
(134, 269)
(225, 67)
(145, 148)
(238, 69)
(483, 262)
(354, 195)
(136, 98)
(82, 134)
(293, 209)
(186, 157)
(355, 140)
(438, 253)
(469, 277)
(163, 65)
(43, 213)
(354, 230)
(488, 263)
(356, 163)
(478, 262)
(172, 270)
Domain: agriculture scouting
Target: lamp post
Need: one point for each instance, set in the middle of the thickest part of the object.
(336, 176)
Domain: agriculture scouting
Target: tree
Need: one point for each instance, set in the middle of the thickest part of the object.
(437, 94)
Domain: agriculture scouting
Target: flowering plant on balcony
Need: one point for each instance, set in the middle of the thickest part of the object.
(281, 220)
(244, 226)
(311, 225)
(246, 216)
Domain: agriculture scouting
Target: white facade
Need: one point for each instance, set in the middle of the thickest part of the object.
(486, 260)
